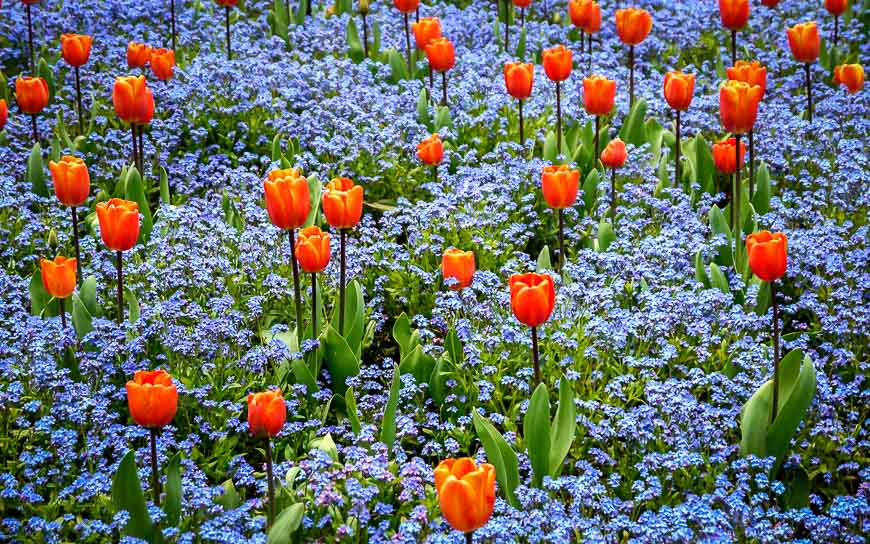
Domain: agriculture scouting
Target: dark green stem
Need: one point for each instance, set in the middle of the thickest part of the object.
(75, 222)
(558, 119)
(522, 136)
(155, 475)
(341, 281)
(119, 268)
(407, 43)
(535, 355)
(297, 297)
(561, 239)
(229, 43)
(775, 306)
(809, 92)
(79, 102)
(677, 161)
(630, 76)
(271, 506)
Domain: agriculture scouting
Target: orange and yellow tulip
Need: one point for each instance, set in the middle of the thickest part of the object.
(138, 55)
(679, 89)
(850, 75)
(31, 93)
(633, 25)
(767, 254)
(162, 63)
(724, 155)
(72, 183)
(518, 79)
(753, 73)
(431, 150)
(560, 185)
(466, 492)
(804, 42)
(312, 249)
(152, 398)
(599, 94)
(440, 54)
(459, 266)
(75, 48)
(532, 297)
(119, 223)
(288, 200)
(342, 203)
(133, 100)
(266, 413)
(58, 276)
(585, 14)
(614, 154)
(426, 30)
(557, 63)
(734, 13)
(738, 105)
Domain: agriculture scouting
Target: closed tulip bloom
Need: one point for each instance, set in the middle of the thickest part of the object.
(31, 93)
(532, 297)
(738, 105)
(75, 48)
(804, 42)
(406, 6)
(431, 150)
(559, 185)
(133, 100)
(138, 55)
(836, 7)
(599, 93)
(266, 413)
(734, 13)
(679, 89)
(312, 249)
(342, 203)
(724, 155)
(119, 223)
(4, 113)
(459, 266)
(753, 73)
(227, 3)
(466, 492)
(850, 75)
(586, 15)
(152, 398)
(440, 54)
(58, 276)
(633, 25)
(162, 63)
(767, 254)
(770, 3)
(72, 183)
(518, 79)
(614, 154)
(288, 199)
(426, 30)
(557, 63)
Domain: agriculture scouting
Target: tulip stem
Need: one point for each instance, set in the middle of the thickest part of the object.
(595, 156)
(135, 152)
(630, 76)
(33, 125)
(535, 355)
(431, 81)
(62, 315)
(79, 102)
(558, 119)
(341, 280)
(522, 136)
(590, 51)
(172, 10)
(836, 29)
(155, 475)
(561, 240)
(775, 350)
(523, 18)
(435, 173)
(314, 331)
(229, 43)
(417, 14)
(407, 44)
(141, 131)
(297, 298)
(30, 41)
(118, 266)
(613, 196)
(365, 34)
(270, 512)
(444, 88)
(738, 228)
(469, 537)
(677, 159)
(308, 8)
(751, 164)
(507, 27)
(733, 47)
(809, 92)
(75, 224)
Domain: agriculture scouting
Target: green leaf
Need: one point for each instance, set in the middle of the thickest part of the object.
(700, 273)
(797, 488)
(132, 306)
(761, 198)
(340, 360)
(314, 191)
(355, 48)
(172, 504)
(704, 167)
(36, 171)
(633, 131)
(88, 294)
(354, 306)
(654, 135)
(136, 192)
(398, 66)
(442, 118)
(402, 334)
(536, 430)
(502, 457)
(375, 46)
(229, 499)
(719, 225)
(544, 260)
(782, 430)
(721, 74)
(41, 303)
(352, 412)
(81, 318)
(287, 523)
(590, 191)
(549, 150)
(718, 279)
(762, 299)
(754, 418)
(436, 383)
(563, 427)
(388, 423)
(606, 235)
(521, 45)
(423, 116)
(453, 347)
(54, 154)
(303, 375)
(44, 71)
(164, 187)
(127, 495)
(325, 444)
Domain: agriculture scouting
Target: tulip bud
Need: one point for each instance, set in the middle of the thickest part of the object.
(466, 492)
(458, 265)
(431, 150)
(633, 25)
(767, 254)
(850, 75)
(364, 7)
(58, 276)
(266, 413)
(32, 94)
(560, 185)
(119, 223)
(312, 249)
(614, 154)
(532, 298)
(51, 239)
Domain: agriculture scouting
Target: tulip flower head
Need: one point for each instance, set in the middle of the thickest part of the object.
(724, 155)
(406, 6)
(266, 413)
(522, 3)
(440, 54)
(753, 73)
(850, 75)
(767, 254)
(614, 154)
(31, 93)
(532, 297)
(738, 105)
(119, 223)
(836, 7)
(162, 63)
(599, 94)
(72, 183)
(133, 100)
(312, 249)
(75, 48)
(227, 3)
(804, 42)
(4, 113)
(560, 185)
(633, 25)
(518, 79)
(679, 89)
(431, 150)
(466, 492)
(138, 55)
(288, 199)
(58, 276)
(734, 13)
(770, 3)
(425, 31)
(152, 398)
(557, 63)
(458, 266)
(585, 14)
(342, 203)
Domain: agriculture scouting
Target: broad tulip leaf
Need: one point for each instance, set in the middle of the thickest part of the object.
(500, 454)
(423, 116)
(544, 260)
(398, 66)
(172, 504)
(536, 430)
(164, 187)
(654, 133)
(797, 488)
(341, 361)
(700, 272)
(442, 118)
(88, 294)
(436, 383)
(352, 412)
(402, 334)
(355, 48)
(314, 191)
(229, 499)
(606, 235)
(388, 423)
(719, 225)
(303, 375)
(136, 192)
(41, 303)
(36, 171)
(633, 131)
(81, 318)
(521, 45)
(788, 419)
(563, 427)
(354, 307)
(704, 167)
(761, 198)
(453, 347)
(718, 279)
(762, 299)
(789, 370)
(287, 523)
(590, 191)
(132, 306)
(127, 495)
(754, 419)
(43, 70)
(549, 150)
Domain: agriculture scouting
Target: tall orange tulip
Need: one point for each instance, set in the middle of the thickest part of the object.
(138, 55)
(441, 57)
(533, 297)
(133, 100)
(613, 157)
(559, 185)
(599, 94)
(288, 200)
(753, 73)
(312, 249)
(342, 206)
(738, 105)
(585, 15)
(850, 75)
(76, 48)
(162, 63)
(725, 155)
(266, 415)
(119, 229)
(679, 89)
(557, 65)
(734, 14)
(426, 30)
(457, 265)
(518, 79)
(32, 96)
(836, 8)
(71, 180)
(431, 151)
(58, 276)
(804, 42)
(466, 493)
(633, 26)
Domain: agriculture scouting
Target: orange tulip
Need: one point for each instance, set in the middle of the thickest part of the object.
(72, 183)
(585, 14)
(426, 30)
(288, 199)
(458, 265)
(266, 413)
(724, 155)
(532, 297)
(767, 254)
(753, 73)
(522, 3)
(559, 185)
(406, 6)
(162, 63)
(133, 100)
(850, 75)
(4, 113)
(119, 223)
(679, 89)
(836, 7)
(803, 39)
(58, 276)
(152, 398)
(227, 3)
(614, 154)
(31, 93)
(518, 79)
(633, 25)
(734, 13)
(312, 249)
(75, 48)
(599, 93)
(738, 105)
(466, 492)
(770, 3)
(138, 55)
(557, 63)
(431, 150)
(440, 54)
(342, 203)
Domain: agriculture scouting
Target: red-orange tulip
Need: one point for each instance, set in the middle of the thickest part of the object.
(133, 100)
(532, 297)
(560, 185)
(431, 150)
(406, 6)
(724, 155)
(227, 3)
(614, 154)
(804, 42)
(72, 183)
(75, 48)
(633, 25)
(850, 75)
(426, 30)
(440, 54)
(836, 7)
(312, 249)
(738, 105)
(753, 73)
(734, 13)
(138, 55)
(162, 63)
(599, 93)
(288, 200)
(518, 79)
(522, 3)
(58, 276)
(767, 254)
(585, 14)
(458, 265)
(266, 413)
(557, 63)
(342, 203)
(31, 93)
(119, 223)
(679, 89)
(770, 3)
(466, 492)
(4, 113)
(152, 398)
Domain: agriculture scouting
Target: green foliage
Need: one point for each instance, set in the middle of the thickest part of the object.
(135, 191)
(388, 424)
(502, 457)
(127, 495)
(633, 129)
(286, 524)
(36, 171)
